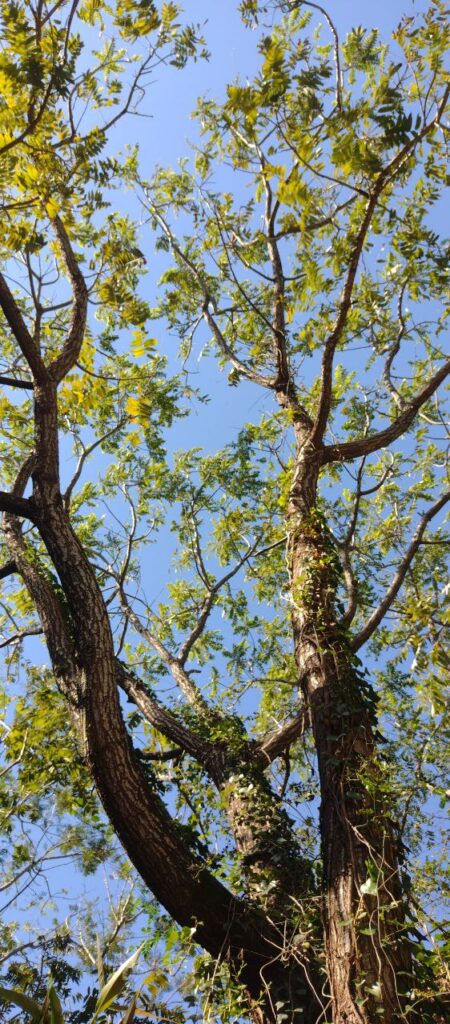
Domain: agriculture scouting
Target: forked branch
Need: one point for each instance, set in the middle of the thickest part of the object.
(383, 181)
(21, 333)
(349, 450)
(390, 595)
(158, 716)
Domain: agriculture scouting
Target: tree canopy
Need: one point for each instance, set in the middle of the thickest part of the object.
(244, 681)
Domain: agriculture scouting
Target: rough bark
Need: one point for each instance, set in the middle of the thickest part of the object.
(368, 956)
(226, 927)
(275, 974)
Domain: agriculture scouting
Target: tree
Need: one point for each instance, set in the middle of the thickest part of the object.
(327, 530)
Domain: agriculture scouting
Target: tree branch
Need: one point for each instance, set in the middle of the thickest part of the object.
(241, 367)
(393, 351)
(158, 716)
(366, 632)
(71, 350)
(174, 664)
(284, 384)
(21, 333)
(8, 569)
(188, 644)
(277, 742)
(383, 180)
(17, 637)
(366, 445)
(13, 383)
(17, 506)
(82, 459)
(317, 7)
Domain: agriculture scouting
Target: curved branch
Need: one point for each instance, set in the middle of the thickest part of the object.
(366, 445)
(284, 385)
(383, 180)
(67, 496)
(208, 603)
(393, 352)
(8, 569)
(174, 664)
(366, 632)
(21, 333)
(337, 59)
(17, 637)
(241, 367)
(277, 742)
(159, 717)
(71, 350)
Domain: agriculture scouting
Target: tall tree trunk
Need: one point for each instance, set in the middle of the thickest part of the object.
(368, 959)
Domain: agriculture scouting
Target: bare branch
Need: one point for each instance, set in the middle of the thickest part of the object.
(69, 355)
(317, 7)
(394, 351)
(17, 637)
(32, 944)
(13, 383)
(23, 507)
(208, 304)
(239, 365)
(366, 445)
(275, 744)
(21, 333)
(366, 632)
(8, 569)
(345, 546)
(176, 668)
(284, 383)
(158, 716)
(188, 644)
(84, 455)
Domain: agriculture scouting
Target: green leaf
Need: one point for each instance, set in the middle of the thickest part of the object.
(116, 983)
(56, 1010)
(369, 887)
(128, 1018)
(12, 995)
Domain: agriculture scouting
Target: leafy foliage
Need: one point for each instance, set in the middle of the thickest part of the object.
(302, 249)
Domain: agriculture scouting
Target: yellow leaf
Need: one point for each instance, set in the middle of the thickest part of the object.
(51, 207)
(132, 406)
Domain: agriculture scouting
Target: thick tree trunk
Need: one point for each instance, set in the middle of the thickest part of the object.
(272, 860)
(368, 956)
